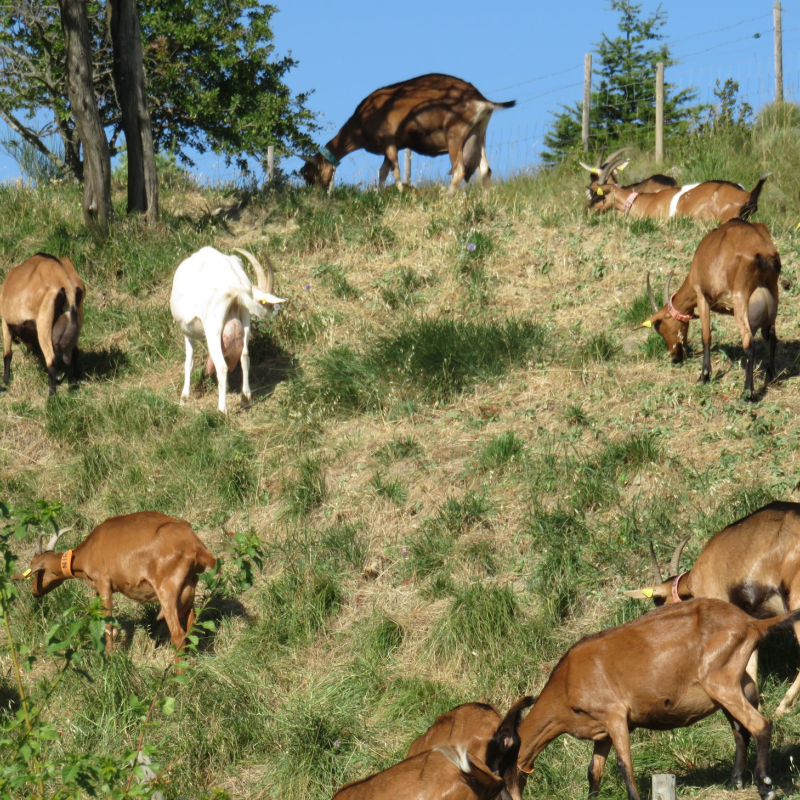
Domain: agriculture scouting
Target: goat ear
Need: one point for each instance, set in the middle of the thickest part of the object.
(27, 573)
(621, 166)
(593, 170)
(600, 192)
(639, 594)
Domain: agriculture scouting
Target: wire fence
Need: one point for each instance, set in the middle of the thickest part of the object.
(741, 51)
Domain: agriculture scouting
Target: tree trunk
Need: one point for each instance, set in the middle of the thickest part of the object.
(129, 79)
(97, 210)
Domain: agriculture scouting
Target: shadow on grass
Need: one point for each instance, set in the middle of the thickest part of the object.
(219, 608)
(103, 364)
(270, 365)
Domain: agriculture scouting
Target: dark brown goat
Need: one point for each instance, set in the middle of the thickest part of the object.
(667, 669)
(41, 303)
(486, 735)
(444, 773)
(146, 556)
(735, 270)
(431, 115)
(711, 200)
(754, 564)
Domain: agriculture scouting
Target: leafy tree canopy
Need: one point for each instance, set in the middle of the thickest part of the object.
(623, 99)
(214, 80)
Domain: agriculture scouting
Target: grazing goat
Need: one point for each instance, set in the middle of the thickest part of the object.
(486, 735)
(213, 297)
(734, 271)
(444, 772)
(432, 115)
(712, 200)
(655, 183)
(41, 303)
(667, 669)
(146, 556)
(754, 564)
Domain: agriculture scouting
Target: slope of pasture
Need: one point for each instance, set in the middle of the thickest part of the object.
(459, 448)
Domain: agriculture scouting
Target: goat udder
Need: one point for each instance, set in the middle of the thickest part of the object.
(232, 345)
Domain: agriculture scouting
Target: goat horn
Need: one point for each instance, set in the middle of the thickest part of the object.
(650, 294)
(616, 154)
(39, 544)
(666, 288)
(51, 545)
(656, 569)
(608, 168)
(593, 170)
(601, 157)
(263, 283)
(675, 564)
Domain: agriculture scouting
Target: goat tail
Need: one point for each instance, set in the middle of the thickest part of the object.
(771, 262)
(477, 775)
(751, 206)
(507, 104)
(765, 626)
(205, 560)
(457, 756)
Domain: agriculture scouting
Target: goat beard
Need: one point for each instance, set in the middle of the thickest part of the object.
(232, 345)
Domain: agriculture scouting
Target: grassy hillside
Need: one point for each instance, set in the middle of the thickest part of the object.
(459, 448)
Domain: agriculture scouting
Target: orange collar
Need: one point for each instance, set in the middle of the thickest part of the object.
(66, 564)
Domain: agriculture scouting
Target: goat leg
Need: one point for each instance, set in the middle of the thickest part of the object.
(772, 343)
(620, 737)
(741, 738)
(597, 765)
(6, 354)
(704, 312)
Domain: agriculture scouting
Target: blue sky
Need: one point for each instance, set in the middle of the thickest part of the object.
(529, 51)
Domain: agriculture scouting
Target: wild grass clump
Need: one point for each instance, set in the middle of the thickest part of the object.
(502, 450)
(400, 288)
(399, 449)
(599, 347)
(389, 488)
(305, 490)
(430, 548)
(636, 311)
(342, 381)
(333, 275)
(441, 357)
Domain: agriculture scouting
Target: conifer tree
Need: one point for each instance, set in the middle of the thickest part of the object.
(623, 99)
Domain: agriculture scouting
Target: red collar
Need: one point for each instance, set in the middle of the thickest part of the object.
(677, 314)
(675, 596)
(66, 564)
(629, 202)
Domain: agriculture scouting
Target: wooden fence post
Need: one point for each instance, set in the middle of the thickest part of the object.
(659, 112)
(270, 162)
(407, 171)
(664, 787)
(587, 100)
(776, 16)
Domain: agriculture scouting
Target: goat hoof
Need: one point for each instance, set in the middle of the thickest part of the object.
(749, 395)
(781, 710)
(704, 378)
(184, 400)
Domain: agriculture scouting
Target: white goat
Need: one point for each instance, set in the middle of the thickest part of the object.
(213, 297)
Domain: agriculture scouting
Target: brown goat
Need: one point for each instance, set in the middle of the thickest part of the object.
(754, 564)
(712, 200)
(655, 183)
(486, 735)
(667, 669)
(146, 556)
(41, 303)
(735, 271)
(432, 115)
(444, 773)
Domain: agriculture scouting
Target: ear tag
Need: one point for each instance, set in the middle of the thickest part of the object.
(622, 167)
(647, 324)
(26, 573)
(647, 592)
(600, 192)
